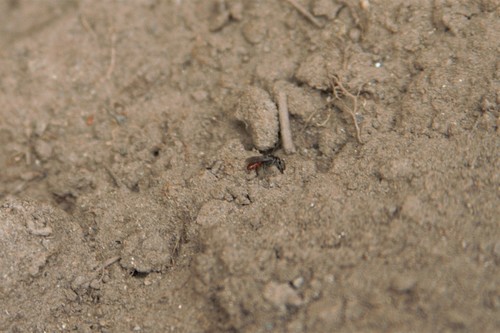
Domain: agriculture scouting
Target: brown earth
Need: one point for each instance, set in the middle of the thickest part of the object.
(124, 200)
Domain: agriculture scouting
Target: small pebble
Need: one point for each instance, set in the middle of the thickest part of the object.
(95, 284)
(43, 150)
(298, 282)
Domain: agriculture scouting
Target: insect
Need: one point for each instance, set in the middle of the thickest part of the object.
(257, 162)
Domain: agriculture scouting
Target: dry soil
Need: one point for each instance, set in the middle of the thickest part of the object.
(125, 203)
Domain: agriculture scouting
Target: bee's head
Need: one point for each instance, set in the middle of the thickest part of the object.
(280, 164)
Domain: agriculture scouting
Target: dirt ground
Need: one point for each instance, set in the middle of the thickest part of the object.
(125, 203)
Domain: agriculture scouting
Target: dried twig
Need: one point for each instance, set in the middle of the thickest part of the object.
(111, 67)
(343, 106)
(309, 120)
(86, 25)
(108, 263)
(305, 12)
(115, 180)
(286, 133)
(323, 124)
(104, 265)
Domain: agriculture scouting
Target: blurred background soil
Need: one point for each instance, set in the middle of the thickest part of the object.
(124, 200)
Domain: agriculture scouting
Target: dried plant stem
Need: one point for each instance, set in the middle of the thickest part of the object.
(112, 60)
(305, 12)
(286, 133)
(343, 106)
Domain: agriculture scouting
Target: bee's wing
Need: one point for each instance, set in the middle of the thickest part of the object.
(256, 159)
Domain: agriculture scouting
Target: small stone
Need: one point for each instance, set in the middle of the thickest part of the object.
(298, 282)
(43, 150)
(95, 284)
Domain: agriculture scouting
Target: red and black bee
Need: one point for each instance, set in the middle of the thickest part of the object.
(257, 162)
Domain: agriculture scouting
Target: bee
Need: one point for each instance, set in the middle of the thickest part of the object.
(257, 162)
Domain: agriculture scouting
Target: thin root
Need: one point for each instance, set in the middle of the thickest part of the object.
(112, 60)
(305, 12)
(323, 124)
(343, 106)
(309, 120)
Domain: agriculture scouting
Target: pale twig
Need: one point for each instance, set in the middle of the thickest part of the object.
(86, 25)
(108, 263)
(309, 119)
(323, 124)
(286, 133)
(344, 108)
(115, 180)
(113, 56)
(101, 268)
(305, 12)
